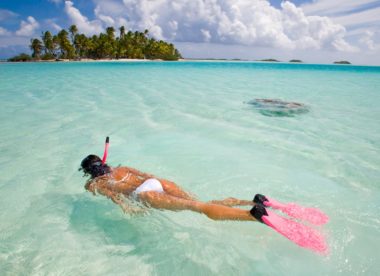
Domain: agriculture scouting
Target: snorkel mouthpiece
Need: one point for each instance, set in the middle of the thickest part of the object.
(106, 150)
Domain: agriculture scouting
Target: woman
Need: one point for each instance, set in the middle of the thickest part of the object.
(119, 182)
(123, 182)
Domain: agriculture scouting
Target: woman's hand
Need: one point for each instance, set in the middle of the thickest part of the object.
(90, 187)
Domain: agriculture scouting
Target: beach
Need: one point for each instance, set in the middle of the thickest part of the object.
(189, 122)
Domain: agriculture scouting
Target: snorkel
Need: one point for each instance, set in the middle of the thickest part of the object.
(105, 154)
(94, 166)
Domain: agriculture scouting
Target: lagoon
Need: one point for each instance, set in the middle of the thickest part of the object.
(187, 122)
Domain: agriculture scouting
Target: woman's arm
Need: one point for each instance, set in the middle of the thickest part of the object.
(117, 198)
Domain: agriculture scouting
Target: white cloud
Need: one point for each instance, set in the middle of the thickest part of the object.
(27, 28)
(51, 24)
(367, 18)
(312, 31)
(336, 7)
(114, 7)
(7, 14)
(108, 20)
(368, 40)
(360, 18)
(4, 32)
(81, 21)
(206, 35)
(244, 22)
(357, 16)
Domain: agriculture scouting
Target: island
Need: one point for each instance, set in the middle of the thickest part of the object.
(71, 45)
(21, 57)
(270, 60)
(295, 60)
(342, 62)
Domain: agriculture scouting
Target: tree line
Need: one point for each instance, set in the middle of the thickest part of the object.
(73, 45)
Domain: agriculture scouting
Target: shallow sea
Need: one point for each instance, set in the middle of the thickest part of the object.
(187, 122)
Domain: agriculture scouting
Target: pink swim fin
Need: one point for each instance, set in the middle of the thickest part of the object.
(298, 233)
(312, 215)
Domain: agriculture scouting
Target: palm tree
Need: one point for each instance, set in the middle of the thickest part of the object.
(67, 50)
(111, 49)
(81, 45)
(110, 31)
(122, 32)
(105, 45)
(47, 40)
(55, 46)
(73, 31)
(36, 47)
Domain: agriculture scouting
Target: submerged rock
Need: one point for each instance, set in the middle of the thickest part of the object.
(278, 108)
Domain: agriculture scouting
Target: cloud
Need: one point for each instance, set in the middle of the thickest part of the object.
(350, 13)
(28, 27)
(242, 22)
(4, 32)
(312, 31)
(206, 35)
(360, 18)
(368, 40)
(336, 7)
(81, 21)
(366, 18)
(51, 24)
(7, 14)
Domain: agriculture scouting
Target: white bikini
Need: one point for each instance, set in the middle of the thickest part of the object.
(149, 185)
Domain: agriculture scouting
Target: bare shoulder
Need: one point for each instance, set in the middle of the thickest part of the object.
(119, 172)
(98, 183)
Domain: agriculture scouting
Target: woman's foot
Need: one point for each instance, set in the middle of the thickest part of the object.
(259, 198)
(258, 211)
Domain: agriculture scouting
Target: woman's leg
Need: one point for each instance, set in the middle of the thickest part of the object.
(174, 190)
(214, 211)
(231, 201)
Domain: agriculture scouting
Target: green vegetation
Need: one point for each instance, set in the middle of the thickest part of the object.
(342, 62)
(270, 60)
(295, 60)
(73, 45)
(21, 57)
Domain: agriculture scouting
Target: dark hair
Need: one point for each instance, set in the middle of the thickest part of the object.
(93, 166)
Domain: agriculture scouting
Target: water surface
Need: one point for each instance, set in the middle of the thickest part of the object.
(187, 122)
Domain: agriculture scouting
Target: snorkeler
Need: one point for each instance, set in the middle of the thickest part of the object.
(118, 183)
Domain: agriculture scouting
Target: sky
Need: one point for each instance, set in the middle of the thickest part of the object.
(315, 31)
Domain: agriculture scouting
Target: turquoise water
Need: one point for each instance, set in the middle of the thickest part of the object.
(186, 121)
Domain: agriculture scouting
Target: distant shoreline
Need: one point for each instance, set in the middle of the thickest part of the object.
(126, 60)
(148, 60)
(84, 60)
